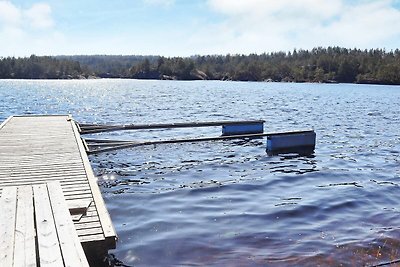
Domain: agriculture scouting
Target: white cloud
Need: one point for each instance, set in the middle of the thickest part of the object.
(27, 31)
(9, 14)
(367, 24)
(271, 25)
(39, 16)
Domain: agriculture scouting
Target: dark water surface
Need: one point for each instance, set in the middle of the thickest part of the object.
(228, 203)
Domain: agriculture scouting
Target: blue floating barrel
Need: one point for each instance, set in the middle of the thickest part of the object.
(302, 142)
(240, 128)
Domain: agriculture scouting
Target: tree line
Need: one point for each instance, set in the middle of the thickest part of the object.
(109, 66)
(332, 64)
(35, 67)
(329, 65)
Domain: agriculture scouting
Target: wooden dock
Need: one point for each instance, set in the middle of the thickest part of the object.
(37, 228)
(43, 149)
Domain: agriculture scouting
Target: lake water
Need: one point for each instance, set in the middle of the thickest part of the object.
(228, 203)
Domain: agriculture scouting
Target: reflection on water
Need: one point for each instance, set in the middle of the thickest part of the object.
(228, 203)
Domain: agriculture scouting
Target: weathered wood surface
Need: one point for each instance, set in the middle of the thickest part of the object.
(8, 214)
(41, 149)
(71, 248)
(98, 128)
(25, 247)
(39, 228)
(48, 244)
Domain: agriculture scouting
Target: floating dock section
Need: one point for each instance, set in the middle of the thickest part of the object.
(240, 128)
(228, 127)
(39, 150)
(302, 142)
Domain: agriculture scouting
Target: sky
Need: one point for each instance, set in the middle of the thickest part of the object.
(194, 27)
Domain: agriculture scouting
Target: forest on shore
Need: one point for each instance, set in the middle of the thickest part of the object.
(326, 65)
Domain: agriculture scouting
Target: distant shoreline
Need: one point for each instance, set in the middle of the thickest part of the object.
(99, 78)
(319, 65)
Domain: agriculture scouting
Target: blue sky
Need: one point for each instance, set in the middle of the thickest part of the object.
(190, 27)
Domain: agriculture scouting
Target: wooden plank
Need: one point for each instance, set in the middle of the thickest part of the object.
(42, 175)
(32, 148)
(89, 225)
(91, 238)
(90, 231)
(25, 178)
(35, 154)
(43, 167)
(8, 210)
(48, 246)
(24, 181)
(86, 129)
(82, 196)
(26, 142)
(25, 246)
(71, 247)
(76, 192)
(26, 162)
(53, 172)
(41, 115)
(108, 228)
(39, 158)
(84, 143)
(75, 187)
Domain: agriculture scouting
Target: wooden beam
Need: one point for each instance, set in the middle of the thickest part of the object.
(71, 248)
(40, 115)
(25, 246)
(88, 129)
(48, 244)
(105, 219)
(85, 145)
(8, 207)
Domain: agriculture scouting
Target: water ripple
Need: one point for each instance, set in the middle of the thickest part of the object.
(228, 203)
